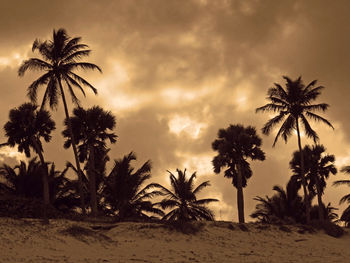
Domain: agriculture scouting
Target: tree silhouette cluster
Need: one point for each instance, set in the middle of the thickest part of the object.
(122, 192)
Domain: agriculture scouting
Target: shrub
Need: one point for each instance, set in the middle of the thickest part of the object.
(185, 227)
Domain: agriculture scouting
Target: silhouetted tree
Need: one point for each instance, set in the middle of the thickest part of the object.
(90, 129)
(235, 145)
(345, 217)
(63, 191)
(61, 56)
(123, 191)
(182, 200)
(284, 205)
(293, 105)
(287, 206)
(328, 213)
(23, 180)
(317, 168)
(25, 128)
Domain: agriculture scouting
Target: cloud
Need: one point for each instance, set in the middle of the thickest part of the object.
(175, 72)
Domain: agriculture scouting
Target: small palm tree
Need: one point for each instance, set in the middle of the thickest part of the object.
(63, 191)
(235, 145)
(318, 167)
(90, 130)
(23, 180)
(183, 201)
(61, 57)
(346, 198)
(284, 205)
(25, 128)
(123, 191)
(293, 105)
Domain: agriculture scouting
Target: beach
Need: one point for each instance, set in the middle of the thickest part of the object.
(26, 240)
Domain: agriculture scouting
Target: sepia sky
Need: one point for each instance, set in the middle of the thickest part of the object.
(174, 72)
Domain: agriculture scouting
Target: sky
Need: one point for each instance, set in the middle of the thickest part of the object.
(176, 71)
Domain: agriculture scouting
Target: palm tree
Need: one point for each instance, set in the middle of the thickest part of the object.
(318, 167)
(123, 191)
(60, 59)
(328, 213)
(63, 191)
(293, 105)
(25, 128)
(284, 205)
(287, 205)
(183, 201)
(25, 180)
(346, 198)
(22, 180)
(235, 145)
(90, 133)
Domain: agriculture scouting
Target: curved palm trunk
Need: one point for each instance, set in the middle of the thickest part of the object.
(240, 200)
(319, 200)
(92, 181)
(80, 177)
(303, 180)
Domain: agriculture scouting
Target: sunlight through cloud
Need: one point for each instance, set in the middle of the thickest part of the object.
(200, 163)
(14, 60)
(179, 124)
(11, 153)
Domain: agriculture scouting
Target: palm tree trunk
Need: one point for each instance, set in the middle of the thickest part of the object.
(45, 178)
(92, 181)
(303, 180)
(80, 177)
(240, 200)
(319, 200)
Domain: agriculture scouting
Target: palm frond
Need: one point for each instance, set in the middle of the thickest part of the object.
(273, 122)
(308, 130)
(81, 65)
(345, 198)
(74, 98)
(82, 81)
(286, 129)
(75, 83)
(318, 118)
(33, 64)
(341, 182)
(316, 107)
(200, 187)
(32, 89)
(345, 169)
(271, 107)
(205, 201)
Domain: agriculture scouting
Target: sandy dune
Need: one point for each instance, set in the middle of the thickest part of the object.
(26, 240)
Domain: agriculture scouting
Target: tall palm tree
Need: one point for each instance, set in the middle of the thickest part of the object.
(346, 198)
(293, 105)
(235, 145)
(318, 167)
(90, 129)
(182, 199)
(124, 191)
(25, 128)
(60, 57)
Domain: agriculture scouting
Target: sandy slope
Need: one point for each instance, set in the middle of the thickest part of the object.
(25, 240)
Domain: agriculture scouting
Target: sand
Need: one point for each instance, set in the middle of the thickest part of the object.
(26, 240)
